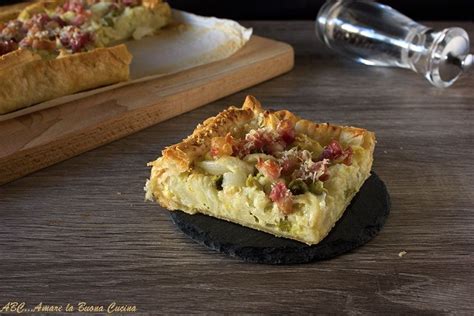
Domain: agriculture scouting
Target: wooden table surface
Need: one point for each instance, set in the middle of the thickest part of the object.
(81, 231)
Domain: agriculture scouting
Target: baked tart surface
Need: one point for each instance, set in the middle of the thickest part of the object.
(55, 28)
(271, 171)
(54, 48)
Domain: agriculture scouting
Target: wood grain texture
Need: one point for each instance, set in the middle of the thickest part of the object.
(40, 139)
(80, 230)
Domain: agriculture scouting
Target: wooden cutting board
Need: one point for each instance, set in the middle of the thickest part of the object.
(37, 140)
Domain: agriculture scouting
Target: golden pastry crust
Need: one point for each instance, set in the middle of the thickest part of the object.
(33, 78)
(38, 80)
(39, 7)
(17, 58)
(10, 12)
(183, 154)
(195, 145)
(177, 183)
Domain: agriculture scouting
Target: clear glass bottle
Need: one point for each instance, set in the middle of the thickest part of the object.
(375, 34)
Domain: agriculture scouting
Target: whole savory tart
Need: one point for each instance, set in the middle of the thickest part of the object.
(58, 47)
(270, 171)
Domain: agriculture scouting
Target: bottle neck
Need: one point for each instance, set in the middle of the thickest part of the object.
(420, 40)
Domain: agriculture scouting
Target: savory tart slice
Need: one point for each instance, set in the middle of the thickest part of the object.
(270, 171)
(59, 47)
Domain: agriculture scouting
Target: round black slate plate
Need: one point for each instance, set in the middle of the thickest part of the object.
(361, 221)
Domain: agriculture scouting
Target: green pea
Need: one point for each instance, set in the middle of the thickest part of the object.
(252, 182)
(298, 187)
(316, 187)
(284, 225)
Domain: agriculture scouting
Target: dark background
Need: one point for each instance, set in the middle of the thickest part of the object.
(307, 9)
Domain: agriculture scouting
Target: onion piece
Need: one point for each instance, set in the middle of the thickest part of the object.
(226, 164)
(234, 179)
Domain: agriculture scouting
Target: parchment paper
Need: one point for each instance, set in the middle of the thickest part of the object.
(191, 41)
